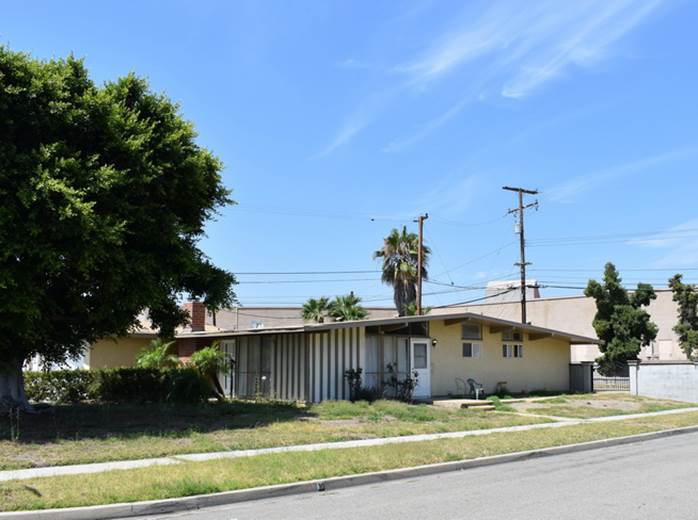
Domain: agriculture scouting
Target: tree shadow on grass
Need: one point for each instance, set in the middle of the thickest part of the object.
(101, 420)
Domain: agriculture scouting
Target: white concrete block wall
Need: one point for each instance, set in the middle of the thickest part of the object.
(678, 380)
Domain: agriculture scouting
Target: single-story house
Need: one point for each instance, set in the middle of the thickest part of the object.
(307, 362)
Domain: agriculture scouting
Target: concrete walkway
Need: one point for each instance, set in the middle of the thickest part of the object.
(78, 469)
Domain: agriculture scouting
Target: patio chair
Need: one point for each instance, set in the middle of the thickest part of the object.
(476, 389)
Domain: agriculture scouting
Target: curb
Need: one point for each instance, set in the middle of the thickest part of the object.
(193, 503)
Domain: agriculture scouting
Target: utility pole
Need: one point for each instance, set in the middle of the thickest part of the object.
(522, 241)
(420, 260)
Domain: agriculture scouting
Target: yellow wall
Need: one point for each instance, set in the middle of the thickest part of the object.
(544, 365)
(113, 353)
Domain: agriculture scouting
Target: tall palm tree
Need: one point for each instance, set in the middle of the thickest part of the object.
(347, 308)
(400, 257)
(316, 309)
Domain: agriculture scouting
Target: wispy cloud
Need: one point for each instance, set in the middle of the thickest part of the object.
(567, 191)
(351, 127)
(451, 197)
(518, 50)
(506, 49)
(527, 47)
(680, 245)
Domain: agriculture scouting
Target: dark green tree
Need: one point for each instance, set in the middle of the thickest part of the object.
(347, 308)
(621, 323)
(105, 194)
(400, 252)
(686, 298)
(316, 309)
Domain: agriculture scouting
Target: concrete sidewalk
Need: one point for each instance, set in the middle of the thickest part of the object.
(77, 469)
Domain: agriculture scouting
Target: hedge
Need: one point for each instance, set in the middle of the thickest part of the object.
(118, 385)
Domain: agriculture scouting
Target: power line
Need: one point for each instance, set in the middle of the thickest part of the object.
(272, 282)
(477, 299)
(365, 271)
(473, 260)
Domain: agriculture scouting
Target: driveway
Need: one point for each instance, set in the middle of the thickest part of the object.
(648, 480)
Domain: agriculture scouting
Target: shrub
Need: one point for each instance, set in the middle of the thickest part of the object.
(119, 385)
(186, 385)
(59, 386)
(209, 361)
(157, 355)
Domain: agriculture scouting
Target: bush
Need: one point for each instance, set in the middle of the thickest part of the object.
(119, 385)
(157, 355)
(59, 386)
(186, 385)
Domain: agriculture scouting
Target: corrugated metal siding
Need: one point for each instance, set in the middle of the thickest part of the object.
(298, 366)
(330, 354)
(272, 366)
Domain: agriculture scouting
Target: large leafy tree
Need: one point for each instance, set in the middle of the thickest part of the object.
(347, 308)
(686, 298)
(316, 309)
(400, 253)
(621, 322)
(105, 194)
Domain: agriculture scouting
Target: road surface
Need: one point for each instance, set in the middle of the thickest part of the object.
(649, 480)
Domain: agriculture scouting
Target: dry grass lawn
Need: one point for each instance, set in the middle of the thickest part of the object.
(97, 433)
(602, 404)
(222, 475)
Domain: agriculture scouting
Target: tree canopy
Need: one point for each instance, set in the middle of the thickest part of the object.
(620, 322)
(686, 298)
(105, 196)
(316, 309)
(400, 253)
(347, 308)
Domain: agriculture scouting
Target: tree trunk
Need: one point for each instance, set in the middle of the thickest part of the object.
(12, 386)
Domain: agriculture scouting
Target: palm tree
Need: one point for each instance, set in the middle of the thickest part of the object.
(157, 355)
(316, 309)
(400, 257)
(347, 308)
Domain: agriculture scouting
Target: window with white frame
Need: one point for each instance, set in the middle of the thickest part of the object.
(471, 331)
(512, 350)
(471, 350)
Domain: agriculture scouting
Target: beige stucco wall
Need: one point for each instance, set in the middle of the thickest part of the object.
(574, 314)
(113, 353)
(544, 365)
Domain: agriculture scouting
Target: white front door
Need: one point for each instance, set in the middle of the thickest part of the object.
(420, 362)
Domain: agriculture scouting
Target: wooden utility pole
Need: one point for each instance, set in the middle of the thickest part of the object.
(420, 260)
(522, 241)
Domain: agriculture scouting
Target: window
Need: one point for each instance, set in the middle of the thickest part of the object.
(471, 331)
(420, 355)
(471, 350)
(512, 335)
(509, 351)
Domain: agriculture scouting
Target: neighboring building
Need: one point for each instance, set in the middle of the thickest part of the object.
(242, 318)
(576, 313)
(307, 362)
(510, 291)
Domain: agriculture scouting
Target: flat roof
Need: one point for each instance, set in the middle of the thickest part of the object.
(319, 327)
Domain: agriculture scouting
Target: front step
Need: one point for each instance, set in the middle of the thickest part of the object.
(481, 405)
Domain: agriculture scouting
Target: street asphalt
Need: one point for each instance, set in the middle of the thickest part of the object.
(647, 480)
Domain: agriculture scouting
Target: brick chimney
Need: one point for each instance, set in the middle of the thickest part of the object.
(197, 313)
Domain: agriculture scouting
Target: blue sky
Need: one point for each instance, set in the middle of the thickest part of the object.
(330, 114)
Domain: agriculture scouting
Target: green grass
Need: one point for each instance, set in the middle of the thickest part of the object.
(98, 433)
(585, 406)
(222, 475)
(499, 405)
